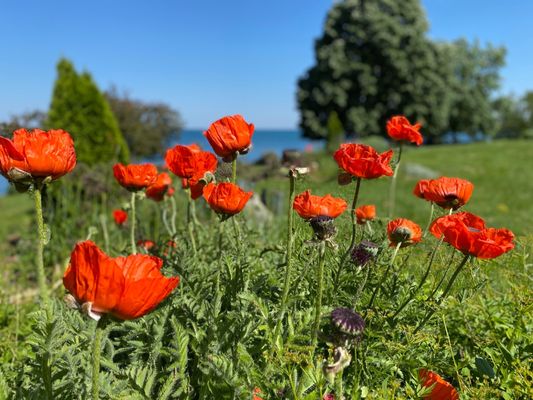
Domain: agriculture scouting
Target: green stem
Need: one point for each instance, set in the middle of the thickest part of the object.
(173, 217)
(234, 170)
(288, 259)
(444, 294)
(382, 280)
(103, 222)
(132, 224)
(97, 349)
(338, 386)
(320, 288)
(422, 281)
(392, 188)
(429, 220)
(41, 276)
(190, 222)
(354, 232)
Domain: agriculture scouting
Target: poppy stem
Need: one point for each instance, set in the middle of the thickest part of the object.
(288, 260)
(422, 281)
(392, 188)
(132, 225)
(430, 313)
(97, 349)
(320, 288)
(190, 222)
(429, 220)
(382, 280)
(354, 220)
(42, 239)
(173, 216)
(234, 170)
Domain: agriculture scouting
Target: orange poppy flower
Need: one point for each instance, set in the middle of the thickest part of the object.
(399, 128)
(468, 234)
(363, 161)
(403, 231)
(36, 154)
(191, 164)
(226, 198)
(157, 190)
(120, 217)
(257, 394)
(230, 135)
(365, 213)
(146, 244)
(125, 287)
(442, 390)
(445, 192)
(135, 177)
(309, 206)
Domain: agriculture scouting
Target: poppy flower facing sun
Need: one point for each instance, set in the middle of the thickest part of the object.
(365, 213)
(403, 231)
(135, 177)
(36, 154)
(362, 161)
(125, 287)
(442, 390)
(226, 198)
(230, 135)
(445, 192)
(400, 129)
(309, 206)
(191, 164)
(468, 234)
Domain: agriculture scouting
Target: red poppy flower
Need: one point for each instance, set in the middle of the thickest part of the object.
(308, 206)
(365, 213)
(363, 161)
(399, 128)
(36, 154)
(445, 192)
(191, 164)
(135, 177)
(468, 234)
(403, 231)
(146, 244)
(257, 394)
(442, 390)
(230, 135)
(125, 287)
(120, 217)
(226, 198)
(170, 191)
(157, 190)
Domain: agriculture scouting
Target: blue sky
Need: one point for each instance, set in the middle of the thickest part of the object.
(209, 58)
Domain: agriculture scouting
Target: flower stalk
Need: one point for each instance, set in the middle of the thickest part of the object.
(41, 242)
(97, 349)
(392, 188)
(320, 289)
(382, 280)
(132, 224)
(234, 170)
(190, 221)
(430, 313)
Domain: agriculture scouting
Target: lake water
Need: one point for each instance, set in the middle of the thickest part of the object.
(263, 141)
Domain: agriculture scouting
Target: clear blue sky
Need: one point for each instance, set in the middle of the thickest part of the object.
(208, 58)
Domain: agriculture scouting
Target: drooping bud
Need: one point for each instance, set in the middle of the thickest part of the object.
(364, 252)
(341, 359)
(348, 321)
(323, 227)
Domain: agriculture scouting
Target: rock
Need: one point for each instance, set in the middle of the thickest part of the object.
(256, 211)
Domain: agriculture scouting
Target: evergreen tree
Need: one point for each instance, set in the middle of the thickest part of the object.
(81, 109)
(374, 60)
(335, 132)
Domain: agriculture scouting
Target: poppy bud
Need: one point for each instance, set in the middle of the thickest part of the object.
(364, 252)
(323, 227)
(348, 321)
(344, 179)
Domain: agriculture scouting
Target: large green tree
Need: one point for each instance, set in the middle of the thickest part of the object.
(146, 126)
(374, 60)
(81, 109)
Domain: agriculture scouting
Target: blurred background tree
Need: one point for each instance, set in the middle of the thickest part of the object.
(81, 109)
(514, 116)
(29, 120)
(374, 60)
(147, 127)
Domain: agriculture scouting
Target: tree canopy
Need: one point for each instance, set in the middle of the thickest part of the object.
(81, 109)
(147, 127)
(374, 60)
